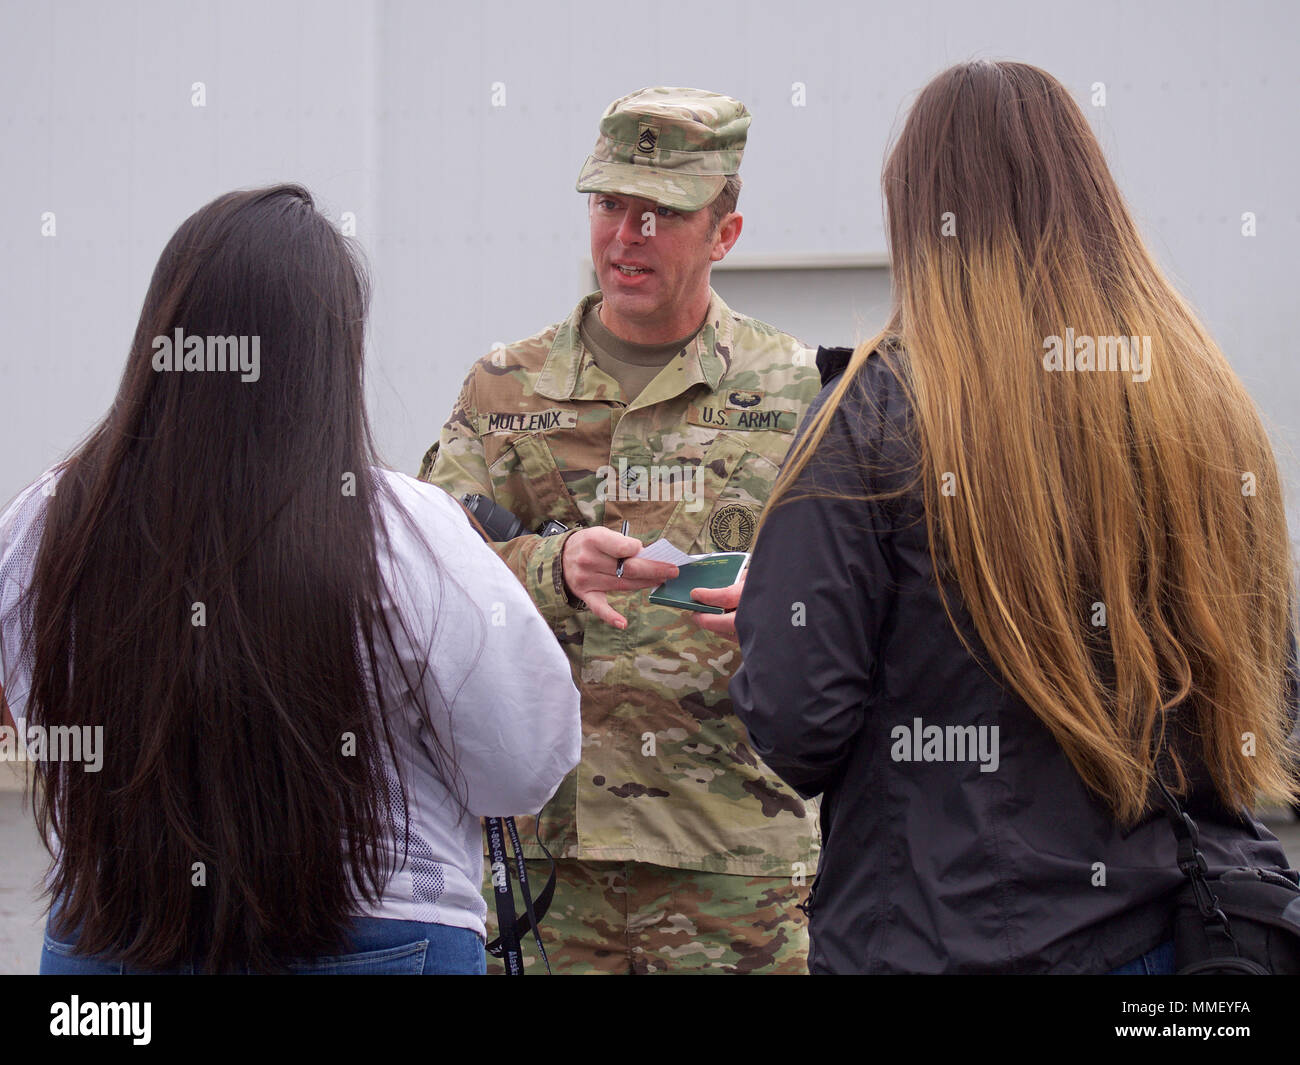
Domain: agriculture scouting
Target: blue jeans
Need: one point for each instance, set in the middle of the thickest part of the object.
(1159, 961)
(375, 946)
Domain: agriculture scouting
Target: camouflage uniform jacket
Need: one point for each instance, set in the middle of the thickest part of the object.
(667, 775)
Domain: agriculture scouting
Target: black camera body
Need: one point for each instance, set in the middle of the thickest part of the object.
(501, 524)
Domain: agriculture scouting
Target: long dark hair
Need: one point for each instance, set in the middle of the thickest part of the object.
(211, 551)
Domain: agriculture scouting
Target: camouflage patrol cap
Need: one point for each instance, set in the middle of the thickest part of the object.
(676, 147)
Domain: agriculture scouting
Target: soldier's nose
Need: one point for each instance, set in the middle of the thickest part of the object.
(630, 231)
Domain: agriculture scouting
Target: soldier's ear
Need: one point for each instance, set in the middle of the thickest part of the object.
(726, 235)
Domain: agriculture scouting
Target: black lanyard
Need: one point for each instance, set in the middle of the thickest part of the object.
(507, 944)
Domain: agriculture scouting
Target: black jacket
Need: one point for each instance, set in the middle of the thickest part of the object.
(849, 662)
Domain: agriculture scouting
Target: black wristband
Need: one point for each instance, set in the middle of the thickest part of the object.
(561, 585)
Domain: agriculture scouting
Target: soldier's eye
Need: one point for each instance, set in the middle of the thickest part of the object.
(665, 212)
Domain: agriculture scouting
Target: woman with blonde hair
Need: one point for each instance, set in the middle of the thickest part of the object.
(1032, 549)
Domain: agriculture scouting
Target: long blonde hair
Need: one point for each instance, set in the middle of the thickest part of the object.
(1119, 540)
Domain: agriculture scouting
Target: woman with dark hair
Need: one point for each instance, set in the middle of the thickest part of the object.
(280, 651)
(1032, 548)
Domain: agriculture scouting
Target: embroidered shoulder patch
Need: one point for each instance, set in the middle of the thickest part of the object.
(732, 527)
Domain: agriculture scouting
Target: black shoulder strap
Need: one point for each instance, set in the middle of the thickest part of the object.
(1192, 862)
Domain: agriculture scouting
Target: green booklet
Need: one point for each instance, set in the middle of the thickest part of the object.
(720, 570)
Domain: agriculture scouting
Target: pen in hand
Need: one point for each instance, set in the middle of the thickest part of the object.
(619, 572)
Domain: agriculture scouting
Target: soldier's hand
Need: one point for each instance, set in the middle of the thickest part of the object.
(727, 598)
(589, 561)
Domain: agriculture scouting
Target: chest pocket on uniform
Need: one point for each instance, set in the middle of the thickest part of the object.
(525, 473)
(724, 517)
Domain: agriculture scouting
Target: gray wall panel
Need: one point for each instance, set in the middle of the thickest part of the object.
(467, 211)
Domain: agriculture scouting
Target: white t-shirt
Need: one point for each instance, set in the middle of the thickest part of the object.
(504, 700)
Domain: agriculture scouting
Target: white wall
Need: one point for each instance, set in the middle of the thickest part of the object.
(468, 211)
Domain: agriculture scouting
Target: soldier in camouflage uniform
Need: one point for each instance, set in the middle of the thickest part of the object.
(677, 848)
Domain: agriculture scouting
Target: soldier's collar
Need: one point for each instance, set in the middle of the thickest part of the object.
(708, 355)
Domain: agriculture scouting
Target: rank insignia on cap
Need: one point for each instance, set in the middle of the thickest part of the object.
(675, 146)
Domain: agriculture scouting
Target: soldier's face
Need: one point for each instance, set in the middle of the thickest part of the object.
(653, 264)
